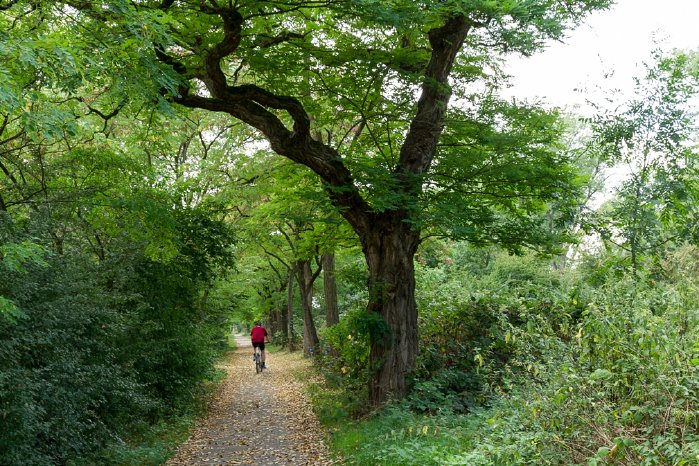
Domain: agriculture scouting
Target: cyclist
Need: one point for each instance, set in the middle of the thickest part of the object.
(259, 336)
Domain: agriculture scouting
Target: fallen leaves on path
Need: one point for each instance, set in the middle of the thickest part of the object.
(257, 419)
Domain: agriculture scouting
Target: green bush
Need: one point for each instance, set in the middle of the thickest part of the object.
(345, 358)
(626, 390)
(400, 437)
(550, 370)
(100, 349)
(63, 387)
(474, 330)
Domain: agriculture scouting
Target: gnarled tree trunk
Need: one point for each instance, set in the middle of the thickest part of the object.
(389, 251)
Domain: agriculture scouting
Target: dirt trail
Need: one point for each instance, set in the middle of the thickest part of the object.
(257, 419)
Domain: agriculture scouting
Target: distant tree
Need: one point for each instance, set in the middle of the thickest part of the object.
(653, 136)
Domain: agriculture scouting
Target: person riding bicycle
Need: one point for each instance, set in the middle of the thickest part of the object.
(258, 336)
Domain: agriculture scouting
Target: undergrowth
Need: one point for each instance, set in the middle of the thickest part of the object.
(153, 445)
(554, 375)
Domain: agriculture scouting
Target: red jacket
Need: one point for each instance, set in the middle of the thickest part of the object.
(258, 334)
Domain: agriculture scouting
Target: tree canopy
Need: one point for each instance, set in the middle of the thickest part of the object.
(171, 169)
(357, 91)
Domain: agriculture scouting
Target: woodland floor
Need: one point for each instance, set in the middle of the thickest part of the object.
(257, 419)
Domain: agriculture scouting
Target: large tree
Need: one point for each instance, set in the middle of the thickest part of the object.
(358, 91)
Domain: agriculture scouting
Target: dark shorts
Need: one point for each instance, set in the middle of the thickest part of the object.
(261, 344)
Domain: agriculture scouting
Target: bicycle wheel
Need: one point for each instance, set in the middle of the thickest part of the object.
(258, 364)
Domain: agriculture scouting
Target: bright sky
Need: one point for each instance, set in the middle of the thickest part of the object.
(618, 40)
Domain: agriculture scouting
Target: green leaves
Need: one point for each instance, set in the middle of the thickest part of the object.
(601, 374)
(9, 309)
(496, 172)
(14, 257)
(652, 137)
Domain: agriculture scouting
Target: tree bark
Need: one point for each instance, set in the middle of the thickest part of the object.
(283, 322)
(306, 279)
(332, 315)
(204, 302)
(274, 319)
(389, 250)
(290, 312)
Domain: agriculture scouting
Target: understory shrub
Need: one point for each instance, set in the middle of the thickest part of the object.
(64, 385)
(626, 392)
(471, 329)
(344, 358)
(99, 351)
(521, 372)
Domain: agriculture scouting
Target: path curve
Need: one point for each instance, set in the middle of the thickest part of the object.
(257, 419)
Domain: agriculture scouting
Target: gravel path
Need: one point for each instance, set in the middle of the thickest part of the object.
(257, 419)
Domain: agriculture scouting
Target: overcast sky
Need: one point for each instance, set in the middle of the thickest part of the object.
(618, 40)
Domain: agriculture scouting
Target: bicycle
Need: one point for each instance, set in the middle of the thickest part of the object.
(257, 357)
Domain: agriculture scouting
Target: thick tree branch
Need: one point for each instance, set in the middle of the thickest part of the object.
(319, 268)
(322, 159)
(215, 79)
(250, 92)
(420, 144)
(265, 41)
(253, 105)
